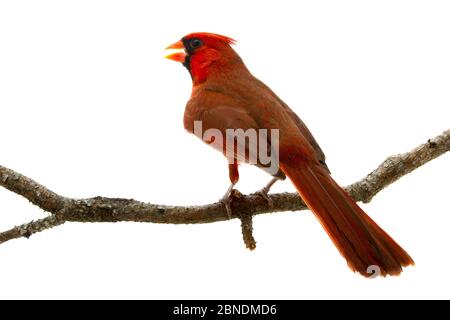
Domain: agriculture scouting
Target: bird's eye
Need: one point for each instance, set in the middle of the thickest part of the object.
(195, 43)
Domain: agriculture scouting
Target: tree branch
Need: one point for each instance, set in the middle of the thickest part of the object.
(101, 209)
(27, 229)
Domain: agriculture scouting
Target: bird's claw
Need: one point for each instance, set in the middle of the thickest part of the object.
(264, 192)
(226, 200)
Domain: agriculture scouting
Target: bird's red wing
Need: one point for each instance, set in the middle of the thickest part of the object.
(223, 114)
(304, 130)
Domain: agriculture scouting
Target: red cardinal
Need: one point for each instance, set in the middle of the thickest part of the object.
(226, 95)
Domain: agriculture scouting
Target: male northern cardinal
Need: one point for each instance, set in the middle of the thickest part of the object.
(225, 95)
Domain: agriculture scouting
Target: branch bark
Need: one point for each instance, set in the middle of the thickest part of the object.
(101, 209)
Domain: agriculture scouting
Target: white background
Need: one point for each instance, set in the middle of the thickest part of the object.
(88, 106)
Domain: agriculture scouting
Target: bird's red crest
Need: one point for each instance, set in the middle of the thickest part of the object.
(211, 37)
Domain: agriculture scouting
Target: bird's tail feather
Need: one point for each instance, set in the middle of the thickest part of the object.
(366, 247)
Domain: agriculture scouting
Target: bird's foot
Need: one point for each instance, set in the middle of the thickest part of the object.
(226, 201)
(264, 192)
(228, 198)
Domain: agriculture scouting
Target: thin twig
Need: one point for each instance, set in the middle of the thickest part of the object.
(27, 229)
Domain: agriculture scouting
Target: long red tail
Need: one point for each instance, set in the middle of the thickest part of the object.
(366, 247)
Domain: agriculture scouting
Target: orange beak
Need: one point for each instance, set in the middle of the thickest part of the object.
(178, 55)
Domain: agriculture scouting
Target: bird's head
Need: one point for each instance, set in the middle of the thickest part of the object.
(202, 53)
